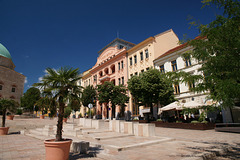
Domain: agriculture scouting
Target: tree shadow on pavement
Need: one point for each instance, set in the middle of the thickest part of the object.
(218, 150)
(92, 152)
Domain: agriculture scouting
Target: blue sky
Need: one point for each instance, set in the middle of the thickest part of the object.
(55, 33)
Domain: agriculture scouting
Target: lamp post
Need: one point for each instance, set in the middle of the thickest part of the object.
(90, 106)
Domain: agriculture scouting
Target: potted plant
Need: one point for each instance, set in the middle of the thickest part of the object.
(63, 83)
(6, 105)
(10, 116)
(67, 112)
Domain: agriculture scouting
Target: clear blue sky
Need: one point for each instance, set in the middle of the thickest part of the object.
(55, 33)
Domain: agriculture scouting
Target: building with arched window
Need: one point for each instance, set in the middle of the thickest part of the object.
(111, 66)
(11, 82)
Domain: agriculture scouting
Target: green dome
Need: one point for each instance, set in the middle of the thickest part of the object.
(4, 52)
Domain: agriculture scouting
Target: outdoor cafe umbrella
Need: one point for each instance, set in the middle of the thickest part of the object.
(192, 104)
(171, 106)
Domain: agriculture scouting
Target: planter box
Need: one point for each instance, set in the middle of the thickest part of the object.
(228, 127)
(196, 126)
(140, 121)
(10, 117)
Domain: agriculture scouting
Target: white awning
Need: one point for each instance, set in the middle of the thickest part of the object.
(171, 106)
(192, 104)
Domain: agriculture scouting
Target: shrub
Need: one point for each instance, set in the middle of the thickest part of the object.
(195, 122)
(19, 111)
(178, 121)
(159, 120)
(80, 115)
(67, 112)
(202, 117)
(204, 122)
(92, 113)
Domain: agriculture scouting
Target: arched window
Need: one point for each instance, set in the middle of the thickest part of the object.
(1, 85)
(113, 81)
(100, 73)
(106, 70)
(113, 68)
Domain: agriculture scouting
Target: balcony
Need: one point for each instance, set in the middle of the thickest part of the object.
(105, 77)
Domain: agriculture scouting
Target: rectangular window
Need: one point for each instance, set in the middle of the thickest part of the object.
(119, 81)
(121, 46)
(191, 85)
(130, 61)
(135, 59)
(187, 62)
(146, 53)
(122, 64)
(147, 69)
(174, 65)
(162, 69)
(176, 89)
(136, 73)
(142, 70)
(0, 87)
(13, 89)
(95, 78)
(135, 107)
(122, 80)
(119, 66)
(141, 55)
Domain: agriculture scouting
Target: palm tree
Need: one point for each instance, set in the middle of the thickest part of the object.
(7, 105)
(62, 83)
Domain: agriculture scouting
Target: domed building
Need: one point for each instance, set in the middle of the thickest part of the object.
(11, 82)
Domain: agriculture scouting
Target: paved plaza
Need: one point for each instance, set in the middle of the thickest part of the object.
(168, 143)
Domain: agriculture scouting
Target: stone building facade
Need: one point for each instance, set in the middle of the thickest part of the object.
(11, 82)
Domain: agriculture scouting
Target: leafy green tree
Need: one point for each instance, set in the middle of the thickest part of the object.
(42, 104)
(47, 103)
(151, 87)
(219, 53)
(107, 92)
(120, 98)
(67, 112)
(75, 100)
(88, 96)
(29, 98)
(62, 83)
(7, 105)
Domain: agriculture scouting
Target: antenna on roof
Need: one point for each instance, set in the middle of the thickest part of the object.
(117, 34)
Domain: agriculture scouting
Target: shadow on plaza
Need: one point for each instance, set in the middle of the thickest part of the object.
(92, 152)
(14, 133)
(223, 150)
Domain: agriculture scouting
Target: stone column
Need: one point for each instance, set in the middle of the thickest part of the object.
(104, 111)
(110, 111)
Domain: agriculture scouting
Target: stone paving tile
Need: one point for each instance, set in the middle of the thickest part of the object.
(26, 148)
(187, 144)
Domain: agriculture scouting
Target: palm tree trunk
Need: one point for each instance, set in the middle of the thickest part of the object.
(60, 119)
(4, 117)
